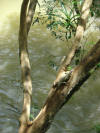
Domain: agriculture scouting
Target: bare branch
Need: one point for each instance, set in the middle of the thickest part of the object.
(25, 67)
(83, 69)
(59, 96)
(79, 34)
(30, 14)
(80, 30)
(23, 16)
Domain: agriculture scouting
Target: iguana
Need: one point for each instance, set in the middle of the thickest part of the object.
(62, 78)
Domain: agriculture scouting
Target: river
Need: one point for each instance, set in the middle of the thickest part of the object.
(79, 115)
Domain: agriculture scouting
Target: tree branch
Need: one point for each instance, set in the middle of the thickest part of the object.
(59, 96)
(79, 34)
(30, 13)
(25, 67)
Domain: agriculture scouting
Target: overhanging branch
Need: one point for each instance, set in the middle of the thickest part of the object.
(59, 96)
(79, 34)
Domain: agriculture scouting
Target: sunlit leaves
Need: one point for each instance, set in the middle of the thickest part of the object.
(62, 20)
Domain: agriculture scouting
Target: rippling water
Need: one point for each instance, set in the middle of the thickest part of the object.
(79, 115)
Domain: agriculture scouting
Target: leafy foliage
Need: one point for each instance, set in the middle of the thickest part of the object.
(97, 128)
(62, 16)
(95, 9)
(62, 20)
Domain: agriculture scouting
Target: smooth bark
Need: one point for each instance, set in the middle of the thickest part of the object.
(76, 44)
(59, 96)
(25, 23)
(30, 14)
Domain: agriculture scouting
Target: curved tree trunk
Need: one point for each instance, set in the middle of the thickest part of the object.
(25, 23)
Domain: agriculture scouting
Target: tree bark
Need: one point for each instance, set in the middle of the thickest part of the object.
(25, 23)
(24, 61)
(30, 13)
(59, 96)
(79, 34)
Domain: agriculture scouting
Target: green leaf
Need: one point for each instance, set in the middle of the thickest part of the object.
(56, 15)
(97, 128)
(31, 116)
(98, 65)
(69, 68)
(71, 12)
(81, 1)
(49, 17)
(63, 7)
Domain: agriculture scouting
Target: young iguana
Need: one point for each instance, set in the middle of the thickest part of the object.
(62, 78)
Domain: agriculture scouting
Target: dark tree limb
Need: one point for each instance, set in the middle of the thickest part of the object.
(59, 96)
